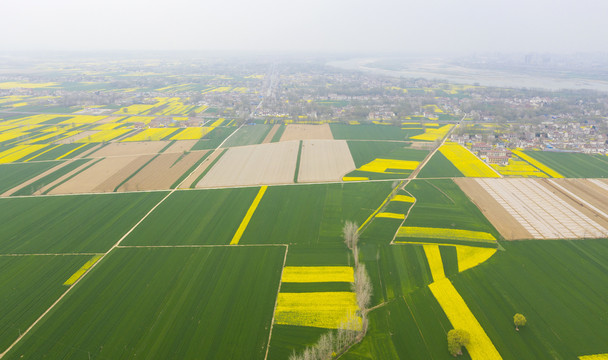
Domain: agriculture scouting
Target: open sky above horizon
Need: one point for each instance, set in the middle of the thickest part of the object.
(387, 26)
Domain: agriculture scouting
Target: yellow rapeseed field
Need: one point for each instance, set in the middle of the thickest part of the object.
(83, 119)
(434, 134)
(480, 346)
(192, 133)
(354, 178)
(470, 256)
(519, 168)
(217, 122)
(316, 309)
(594, 357)
(18, 152)
(441, 233)
(390, 215)
(433, 256)
(468, 164)
(82, 270)
(134, 109)
(254, 205)
(538, 164)
(104, 135)
(108, 126)
(404, 198)
(382, 165)
(308, 274)
(151, 134)
(25, 85)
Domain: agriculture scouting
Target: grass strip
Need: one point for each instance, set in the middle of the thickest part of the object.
(295, 174)
(278, 134)
(190, 170)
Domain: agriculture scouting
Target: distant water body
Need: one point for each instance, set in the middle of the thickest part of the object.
(462, 75)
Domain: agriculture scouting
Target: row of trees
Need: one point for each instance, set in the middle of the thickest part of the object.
(353, 329)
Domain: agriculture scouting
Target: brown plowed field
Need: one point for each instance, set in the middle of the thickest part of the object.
(307, 132)
(506, 224)
(104, 176)
(180, 146)
(271, 133)
(162, 172)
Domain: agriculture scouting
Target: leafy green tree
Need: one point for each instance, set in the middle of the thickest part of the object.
(457, 338)
(519, 320)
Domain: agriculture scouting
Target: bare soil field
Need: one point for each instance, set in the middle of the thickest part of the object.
(599, 184)
(130, 148)
(62, 178)
(504, 222)
(325, 160)
(188, 182)
(162, 172)
(583, 195)
(544, 210)
(307, 132)
(104, 176)
(421, 145)
(273, 163)
(271, 133)
(180, 146)
(79, 136)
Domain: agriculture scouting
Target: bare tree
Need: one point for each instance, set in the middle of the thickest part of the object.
(363, 290)
(351, 238)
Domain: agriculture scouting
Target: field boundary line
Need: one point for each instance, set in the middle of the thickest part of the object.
(55, 254)
(9, 348)
(196, 246)
(276, 300)
(254, 205)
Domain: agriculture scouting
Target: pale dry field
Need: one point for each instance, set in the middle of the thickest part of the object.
(162, 172)
(271, 133)
(421, 145)
(130, 148)
(542, 210)
(180, 146)
(262, 164)
(104, 176)
(188, 182)
(79, 136)
(324, 160)
(307, 132)
(504, 222)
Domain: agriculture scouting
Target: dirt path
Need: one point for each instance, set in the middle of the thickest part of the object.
(271, 133)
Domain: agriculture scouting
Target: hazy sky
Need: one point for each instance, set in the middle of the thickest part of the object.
(313, 25)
